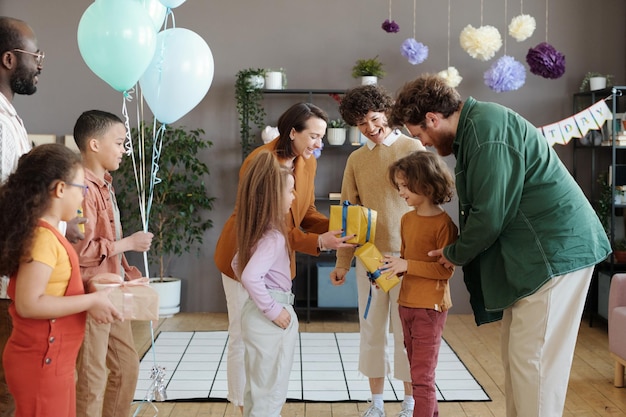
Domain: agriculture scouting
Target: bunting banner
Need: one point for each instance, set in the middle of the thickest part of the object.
(577, 126)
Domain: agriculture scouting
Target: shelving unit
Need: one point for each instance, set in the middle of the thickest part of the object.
(330, 167)
(610, 153)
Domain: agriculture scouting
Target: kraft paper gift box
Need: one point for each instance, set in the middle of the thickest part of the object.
(353, 219)
(135, 299)
(371, 258)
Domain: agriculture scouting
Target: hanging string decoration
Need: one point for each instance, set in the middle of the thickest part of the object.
(544, 60)
(450, 75)
(416, 52)
(506, 74)
(523, 26)
(390, 26)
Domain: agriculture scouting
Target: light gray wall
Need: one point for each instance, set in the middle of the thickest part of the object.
(317, 43)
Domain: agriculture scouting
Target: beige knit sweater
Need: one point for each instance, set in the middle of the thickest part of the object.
(365, 182)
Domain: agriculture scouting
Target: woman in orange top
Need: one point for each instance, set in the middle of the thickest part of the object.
(49, 303)
(301, 129)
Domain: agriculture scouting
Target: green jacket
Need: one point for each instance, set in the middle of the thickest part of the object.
(523, 219)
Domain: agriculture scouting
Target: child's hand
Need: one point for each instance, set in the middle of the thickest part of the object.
(283, 319)
(141, 241)
(394, 264)
(338, 276)
(102, 310)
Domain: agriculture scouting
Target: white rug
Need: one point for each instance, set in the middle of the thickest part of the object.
(324, 370)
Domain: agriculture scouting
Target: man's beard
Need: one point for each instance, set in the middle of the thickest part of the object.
(23, 81)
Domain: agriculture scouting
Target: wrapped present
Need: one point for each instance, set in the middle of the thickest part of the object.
(371, 258)
(135, 299)
(354, 220)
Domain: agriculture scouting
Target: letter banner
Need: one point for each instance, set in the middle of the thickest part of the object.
(577, 126)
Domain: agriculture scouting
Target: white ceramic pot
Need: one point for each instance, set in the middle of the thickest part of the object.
(274, 80)
(369, 79)
(597, 83)
(356, 138)
(256, 81)
(169, 295)
(336, 135)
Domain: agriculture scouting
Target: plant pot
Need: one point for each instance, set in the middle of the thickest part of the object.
(597, 83)
(369, 80)
(169, 295)
(255, 82)
(274, 80)
(356, 138)
(336, 135)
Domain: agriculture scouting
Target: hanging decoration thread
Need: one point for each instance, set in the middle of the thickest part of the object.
(390, 26)
(416, 52)
(450, 75)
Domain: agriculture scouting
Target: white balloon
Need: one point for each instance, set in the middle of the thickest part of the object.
(156, 10)
(179, 75)
(172, 3)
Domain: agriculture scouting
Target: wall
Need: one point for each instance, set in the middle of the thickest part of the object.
(317, 43)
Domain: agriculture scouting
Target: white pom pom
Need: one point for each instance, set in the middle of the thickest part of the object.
(481, 43)
(452, 76)
(522, 27)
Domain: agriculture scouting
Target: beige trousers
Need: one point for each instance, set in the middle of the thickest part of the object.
(538, 339)
(107, 370)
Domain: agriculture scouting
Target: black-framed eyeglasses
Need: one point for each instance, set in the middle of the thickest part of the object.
(39, 56)
(84, 187)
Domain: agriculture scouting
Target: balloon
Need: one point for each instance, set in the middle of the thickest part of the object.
(172, 3)
(179, 75)
(156, 11)
(117, 39)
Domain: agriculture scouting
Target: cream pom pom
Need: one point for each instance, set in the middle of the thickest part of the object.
(451, 76)
(522, 27)
(481, 43)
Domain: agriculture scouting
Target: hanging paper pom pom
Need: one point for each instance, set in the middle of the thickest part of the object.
(451, 76)
(506, 74)
(546, 61)
(481, 43)
(390, 27)
(416, 52)
(522, 27)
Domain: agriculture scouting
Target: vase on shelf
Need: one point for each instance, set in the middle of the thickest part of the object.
(336, 135)
(597, 83)
(369, 80)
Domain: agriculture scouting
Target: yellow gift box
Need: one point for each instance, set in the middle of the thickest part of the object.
(354, 220)
(371, 258)
(135, 299)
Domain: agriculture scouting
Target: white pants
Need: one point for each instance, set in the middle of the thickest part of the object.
(269, 352)
(236, 296)
(373, 357)
(538, 339)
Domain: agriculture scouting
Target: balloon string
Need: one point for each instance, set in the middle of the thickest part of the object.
(157, 145)
(169, 14)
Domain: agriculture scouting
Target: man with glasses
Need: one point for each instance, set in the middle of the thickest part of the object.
(20, 66)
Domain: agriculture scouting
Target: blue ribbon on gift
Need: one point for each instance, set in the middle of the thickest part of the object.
(344, 220)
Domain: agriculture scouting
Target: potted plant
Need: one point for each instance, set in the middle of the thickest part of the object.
(275, 79)
(248, 98)
(370, 70)
(596, 81)
(178, 214)
(336, 132)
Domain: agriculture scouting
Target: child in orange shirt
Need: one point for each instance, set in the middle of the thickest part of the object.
(424, 181)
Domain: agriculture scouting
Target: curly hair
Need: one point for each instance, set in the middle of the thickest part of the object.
(26, 196)
(361, 100)
(261, 195)
(427, 93)
(425, 173)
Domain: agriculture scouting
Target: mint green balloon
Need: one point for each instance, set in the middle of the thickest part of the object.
(117, 40)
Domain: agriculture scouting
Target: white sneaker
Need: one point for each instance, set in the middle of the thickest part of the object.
(373, 411)
(406, 412)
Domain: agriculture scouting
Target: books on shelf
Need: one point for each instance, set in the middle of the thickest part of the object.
(334, 196)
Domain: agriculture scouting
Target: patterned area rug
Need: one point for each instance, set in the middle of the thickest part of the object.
(324, 370)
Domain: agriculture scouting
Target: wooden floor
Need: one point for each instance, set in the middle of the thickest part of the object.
(591, 392)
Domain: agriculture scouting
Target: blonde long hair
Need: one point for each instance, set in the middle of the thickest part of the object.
(260, 204)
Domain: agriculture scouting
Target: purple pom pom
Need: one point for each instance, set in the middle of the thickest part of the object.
(390, 27)
(506, 74)
(416, 52)
(546, 61)
(317, 152)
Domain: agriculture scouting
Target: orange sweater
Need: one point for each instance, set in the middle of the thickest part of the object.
(425, 283)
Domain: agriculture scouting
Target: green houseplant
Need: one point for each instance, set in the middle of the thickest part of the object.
(248, 98)
(584, 85)
(178, 216)
(368, 68)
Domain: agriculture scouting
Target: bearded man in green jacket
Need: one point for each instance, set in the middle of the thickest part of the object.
(529, 239)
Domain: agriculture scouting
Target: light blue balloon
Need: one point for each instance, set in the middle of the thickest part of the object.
(117, 39)
(172, 3)
(179, 75)
(156, 11)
